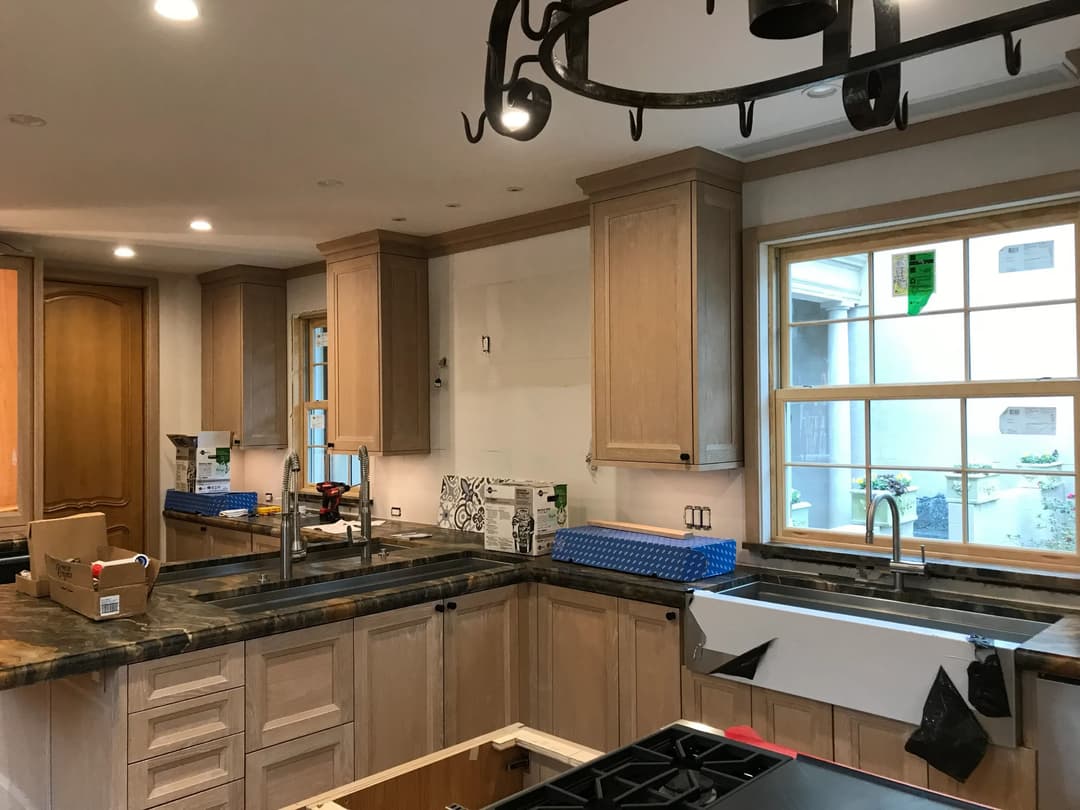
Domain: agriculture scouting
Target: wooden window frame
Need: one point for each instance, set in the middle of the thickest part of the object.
(771, 307)
(304, 365)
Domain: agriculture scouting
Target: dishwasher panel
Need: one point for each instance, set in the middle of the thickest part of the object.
(1057, 703)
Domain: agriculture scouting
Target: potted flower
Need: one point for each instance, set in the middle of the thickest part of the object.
(982, 484)
(799, 515)
(1041, 462)
(901, 488)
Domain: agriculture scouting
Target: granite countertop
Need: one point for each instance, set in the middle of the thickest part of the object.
(41, 640)
(1055, 651)
(257, 524)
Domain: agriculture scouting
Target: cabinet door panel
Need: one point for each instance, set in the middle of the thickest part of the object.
(794, 722)
(578, 652)
(480, 676)
(185, 772)
(399, 687)
(714, 701)
(178, 725)
(649, 688)
(1005, 779)
(298, 769)
(876, 745)
(230, 542)
(643, 322)
(352, 314)
(266, 374)
(222, 358)
(298, 683)
(179, 677)
(406, 402)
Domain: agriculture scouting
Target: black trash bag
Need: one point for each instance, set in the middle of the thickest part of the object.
(986, 687)
(745, 665)
(950, 737)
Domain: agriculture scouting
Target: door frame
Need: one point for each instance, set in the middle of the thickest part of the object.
(83, 274)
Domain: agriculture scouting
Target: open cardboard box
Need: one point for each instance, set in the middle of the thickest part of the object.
(58, 537)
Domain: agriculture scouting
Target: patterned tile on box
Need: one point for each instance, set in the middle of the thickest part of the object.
(461, 502)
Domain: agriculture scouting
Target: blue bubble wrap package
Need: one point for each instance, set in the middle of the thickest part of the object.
(646, 554)
(209, 504)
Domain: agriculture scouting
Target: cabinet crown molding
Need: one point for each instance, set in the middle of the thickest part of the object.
(371, 242)
(244, 273)
(696, 163)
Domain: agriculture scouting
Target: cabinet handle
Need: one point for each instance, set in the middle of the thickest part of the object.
(202, 528)
(684, 456)
(439, 608)
(671, 616)
(451, 605)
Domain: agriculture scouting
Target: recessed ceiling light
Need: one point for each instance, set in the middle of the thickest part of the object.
(822, 90)
(124, 252)
(201, 225)
(24, 120)
(398, 219)
(514, 118)
(329, 182)
(515, 189)
(179, 10)
(453, 205)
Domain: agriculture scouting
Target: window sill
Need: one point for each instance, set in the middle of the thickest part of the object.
(984, 572)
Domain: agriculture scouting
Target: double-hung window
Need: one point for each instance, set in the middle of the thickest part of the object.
(937, 363)
(318, 460)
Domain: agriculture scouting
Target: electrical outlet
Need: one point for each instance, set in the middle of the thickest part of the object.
(395, 511)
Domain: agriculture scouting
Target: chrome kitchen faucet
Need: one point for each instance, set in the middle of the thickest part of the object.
(896, 565)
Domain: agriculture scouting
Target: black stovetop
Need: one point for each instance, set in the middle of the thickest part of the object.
(681, 768)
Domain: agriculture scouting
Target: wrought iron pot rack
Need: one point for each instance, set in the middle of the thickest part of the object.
(872, 82)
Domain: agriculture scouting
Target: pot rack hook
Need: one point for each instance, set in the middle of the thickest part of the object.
(479, 128)
(637, 124)
(1013, 57)
(746, 118)
(710, 6)
(901, 116)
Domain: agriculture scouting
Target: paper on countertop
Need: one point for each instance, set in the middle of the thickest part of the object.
(341, 527)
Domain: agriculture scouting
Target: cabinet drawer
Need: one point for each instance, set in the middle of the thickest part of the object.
(295, 770)
(169, 728)
(185, 773)
(226, 797)
(169, 680)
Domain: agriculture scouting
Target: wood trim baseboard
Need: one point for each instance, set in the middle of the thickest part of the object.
(947, 127)
(512, 229)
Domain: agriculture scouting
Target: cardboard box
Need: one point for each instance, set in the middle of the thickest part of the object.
(522, 516)
(213, 461)
(185, 461)
(60, 537)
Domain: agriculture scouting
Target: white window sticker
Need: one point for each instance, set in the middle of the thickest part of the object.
(108, 605)
(1028, 422)
(317, 420)
(1030, 256)
(900, 275)
(322, 340)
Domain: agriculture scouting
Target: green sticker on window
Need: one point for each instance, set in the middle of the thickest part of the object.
(915, 276)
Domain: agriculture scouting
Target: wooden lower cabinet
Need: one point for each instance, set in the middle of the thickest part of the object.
(229, 542)
(180, 677)
(399, 686)
(578, 679)
(185, 772)
(480, 663)
(649, 677)
(717, 702)
(876, 745)
(298, 683)
(1004, 779)
(169, 728)
(261, 543)
(186, 541)
(291, 771)
(793, 722)
(226, 797)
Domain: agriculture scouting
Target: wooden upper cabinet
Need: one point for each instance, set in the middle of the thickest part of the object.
(244, 358)
(667, 347)
(377, 319)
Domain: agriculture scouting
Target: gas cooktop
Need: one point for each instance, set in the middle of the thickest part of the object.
(682, 768)
(678, 768)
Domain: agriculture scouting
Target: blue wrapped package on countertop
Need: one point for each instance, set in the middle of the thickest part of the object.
(646, 554)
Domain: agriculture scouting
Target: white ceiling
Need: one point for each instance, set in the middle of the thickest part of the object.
(235, 116)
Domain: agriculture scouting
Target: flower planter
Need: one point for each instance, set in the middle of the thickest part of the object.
(799, 518)
(1032, 481)
(982, 487)
(906, 503)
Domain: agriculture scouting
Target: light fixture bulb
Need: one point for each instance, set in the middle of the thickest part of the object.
(179, 10)
(514, 118)
(124, 252)
(201, 225)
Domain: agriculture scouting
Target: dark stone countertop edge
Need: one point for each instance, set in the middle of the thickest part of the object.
(986, 573)
(12, 546)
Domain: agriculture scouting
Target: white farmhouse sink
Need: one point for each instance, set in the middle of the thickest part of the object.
(866, 653)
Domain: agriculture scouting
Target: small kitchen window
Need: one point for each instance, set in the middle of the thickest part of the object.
(938, 363)
(319, 464)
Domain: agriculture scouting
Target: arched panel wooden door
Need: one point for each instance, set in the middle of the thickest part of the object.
(94, 406)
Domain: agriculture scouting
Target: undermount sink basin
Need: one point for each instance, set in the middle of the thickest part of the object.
(297, 595)
(270, 563)
(952, 620)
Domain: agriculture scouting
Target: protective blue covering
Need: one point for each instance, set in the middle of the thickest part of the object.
(209, 504)
(646, 554)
